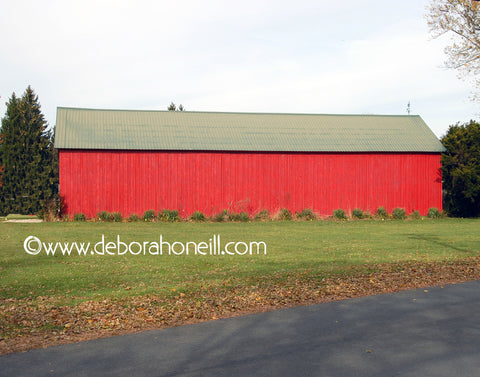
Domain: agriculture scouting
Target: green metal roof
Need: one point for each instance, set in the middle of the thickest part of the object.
(210, 131)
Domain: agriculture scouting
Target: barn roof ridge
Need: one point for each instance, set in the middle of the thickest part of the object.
(240, 112)
(83, 128)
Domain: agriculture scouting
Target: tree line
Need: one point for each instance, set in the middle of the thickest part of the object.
(29, 163)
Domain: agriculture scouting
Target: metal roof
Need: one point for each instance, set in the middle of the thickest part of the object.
(214, 131)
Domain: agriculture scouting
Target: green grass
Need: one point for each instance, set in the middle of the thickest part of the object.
(315, 249)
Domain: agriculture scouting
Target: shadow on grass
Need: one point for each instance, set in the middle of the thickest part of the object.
(437, 241)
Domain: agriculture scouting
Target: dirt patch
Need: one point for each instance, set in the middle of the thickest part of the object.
(41, 322)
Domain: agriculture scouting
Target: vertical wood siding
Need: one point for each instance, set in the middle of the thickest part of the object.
(135, 181)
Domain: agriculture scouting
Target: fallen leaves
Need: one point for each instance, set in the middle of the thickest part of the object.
(43, 321)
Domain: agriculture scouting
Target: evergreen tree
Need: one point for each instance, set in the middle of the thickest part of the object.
(461, 169)
(28, 173)
(173, 107)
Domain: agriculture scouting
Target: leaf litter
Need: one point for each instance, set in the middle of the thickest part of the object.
(39, 322)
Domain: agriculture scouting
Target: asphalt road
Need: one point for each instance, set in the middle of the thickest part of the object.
(433, 332)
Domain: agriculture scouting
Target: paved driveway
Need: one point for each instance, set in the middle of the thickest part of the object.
(434, 332)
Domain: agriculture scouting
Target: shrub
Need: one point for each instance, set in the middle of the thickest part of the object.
(262, 215)
(116, 217)
(104, 216)
(197, 216)
(340, 214)
(234, 216)
(79, 217)
(149, 215)
(415, 215)
(358, 213)
(399, 214)
(168, 215)
(134, 217)
(381, 213)
(244, 217)
(305, 214)
(433, 213)
(221, 216)
(50, 209)
(367, 215)
(284, 214)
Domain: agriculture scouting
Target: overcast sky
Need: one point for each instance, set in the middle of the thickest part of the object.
(319, 56)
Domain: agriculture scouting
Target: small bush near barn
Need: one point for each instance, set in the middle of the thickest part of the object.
(79, 217)
(232, 216)
(367, 215)
(221, 216)
(198, 216)
(149, 215)
(434, 213)
(381, 213)
(305, 214)
(340, 214)
(117, 217)
(134, 217)
(51, 209)
(104, 216)
(415, 215)
(244, 217)
(357, 214)
(168, 215)
(399, 214)
(263, 215)
(283, 214)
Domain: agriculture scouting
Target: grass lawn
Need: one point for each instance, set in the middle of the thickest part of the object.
(304, 261)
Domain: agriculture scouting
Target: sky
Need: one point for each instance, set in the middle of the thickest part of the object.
(268, 56)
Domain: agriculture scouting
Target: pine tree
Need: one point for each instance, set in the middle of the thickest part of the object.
(173, 107)
(27, 159)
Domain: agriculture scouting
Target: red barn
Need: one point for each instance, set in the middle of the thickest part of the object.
(132, 161)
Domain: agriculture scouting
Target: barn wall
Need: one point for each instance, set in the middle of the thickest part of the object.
(134, 181)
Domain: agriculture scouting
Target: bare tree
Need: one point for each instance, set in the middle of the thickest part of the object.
(461, 20)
